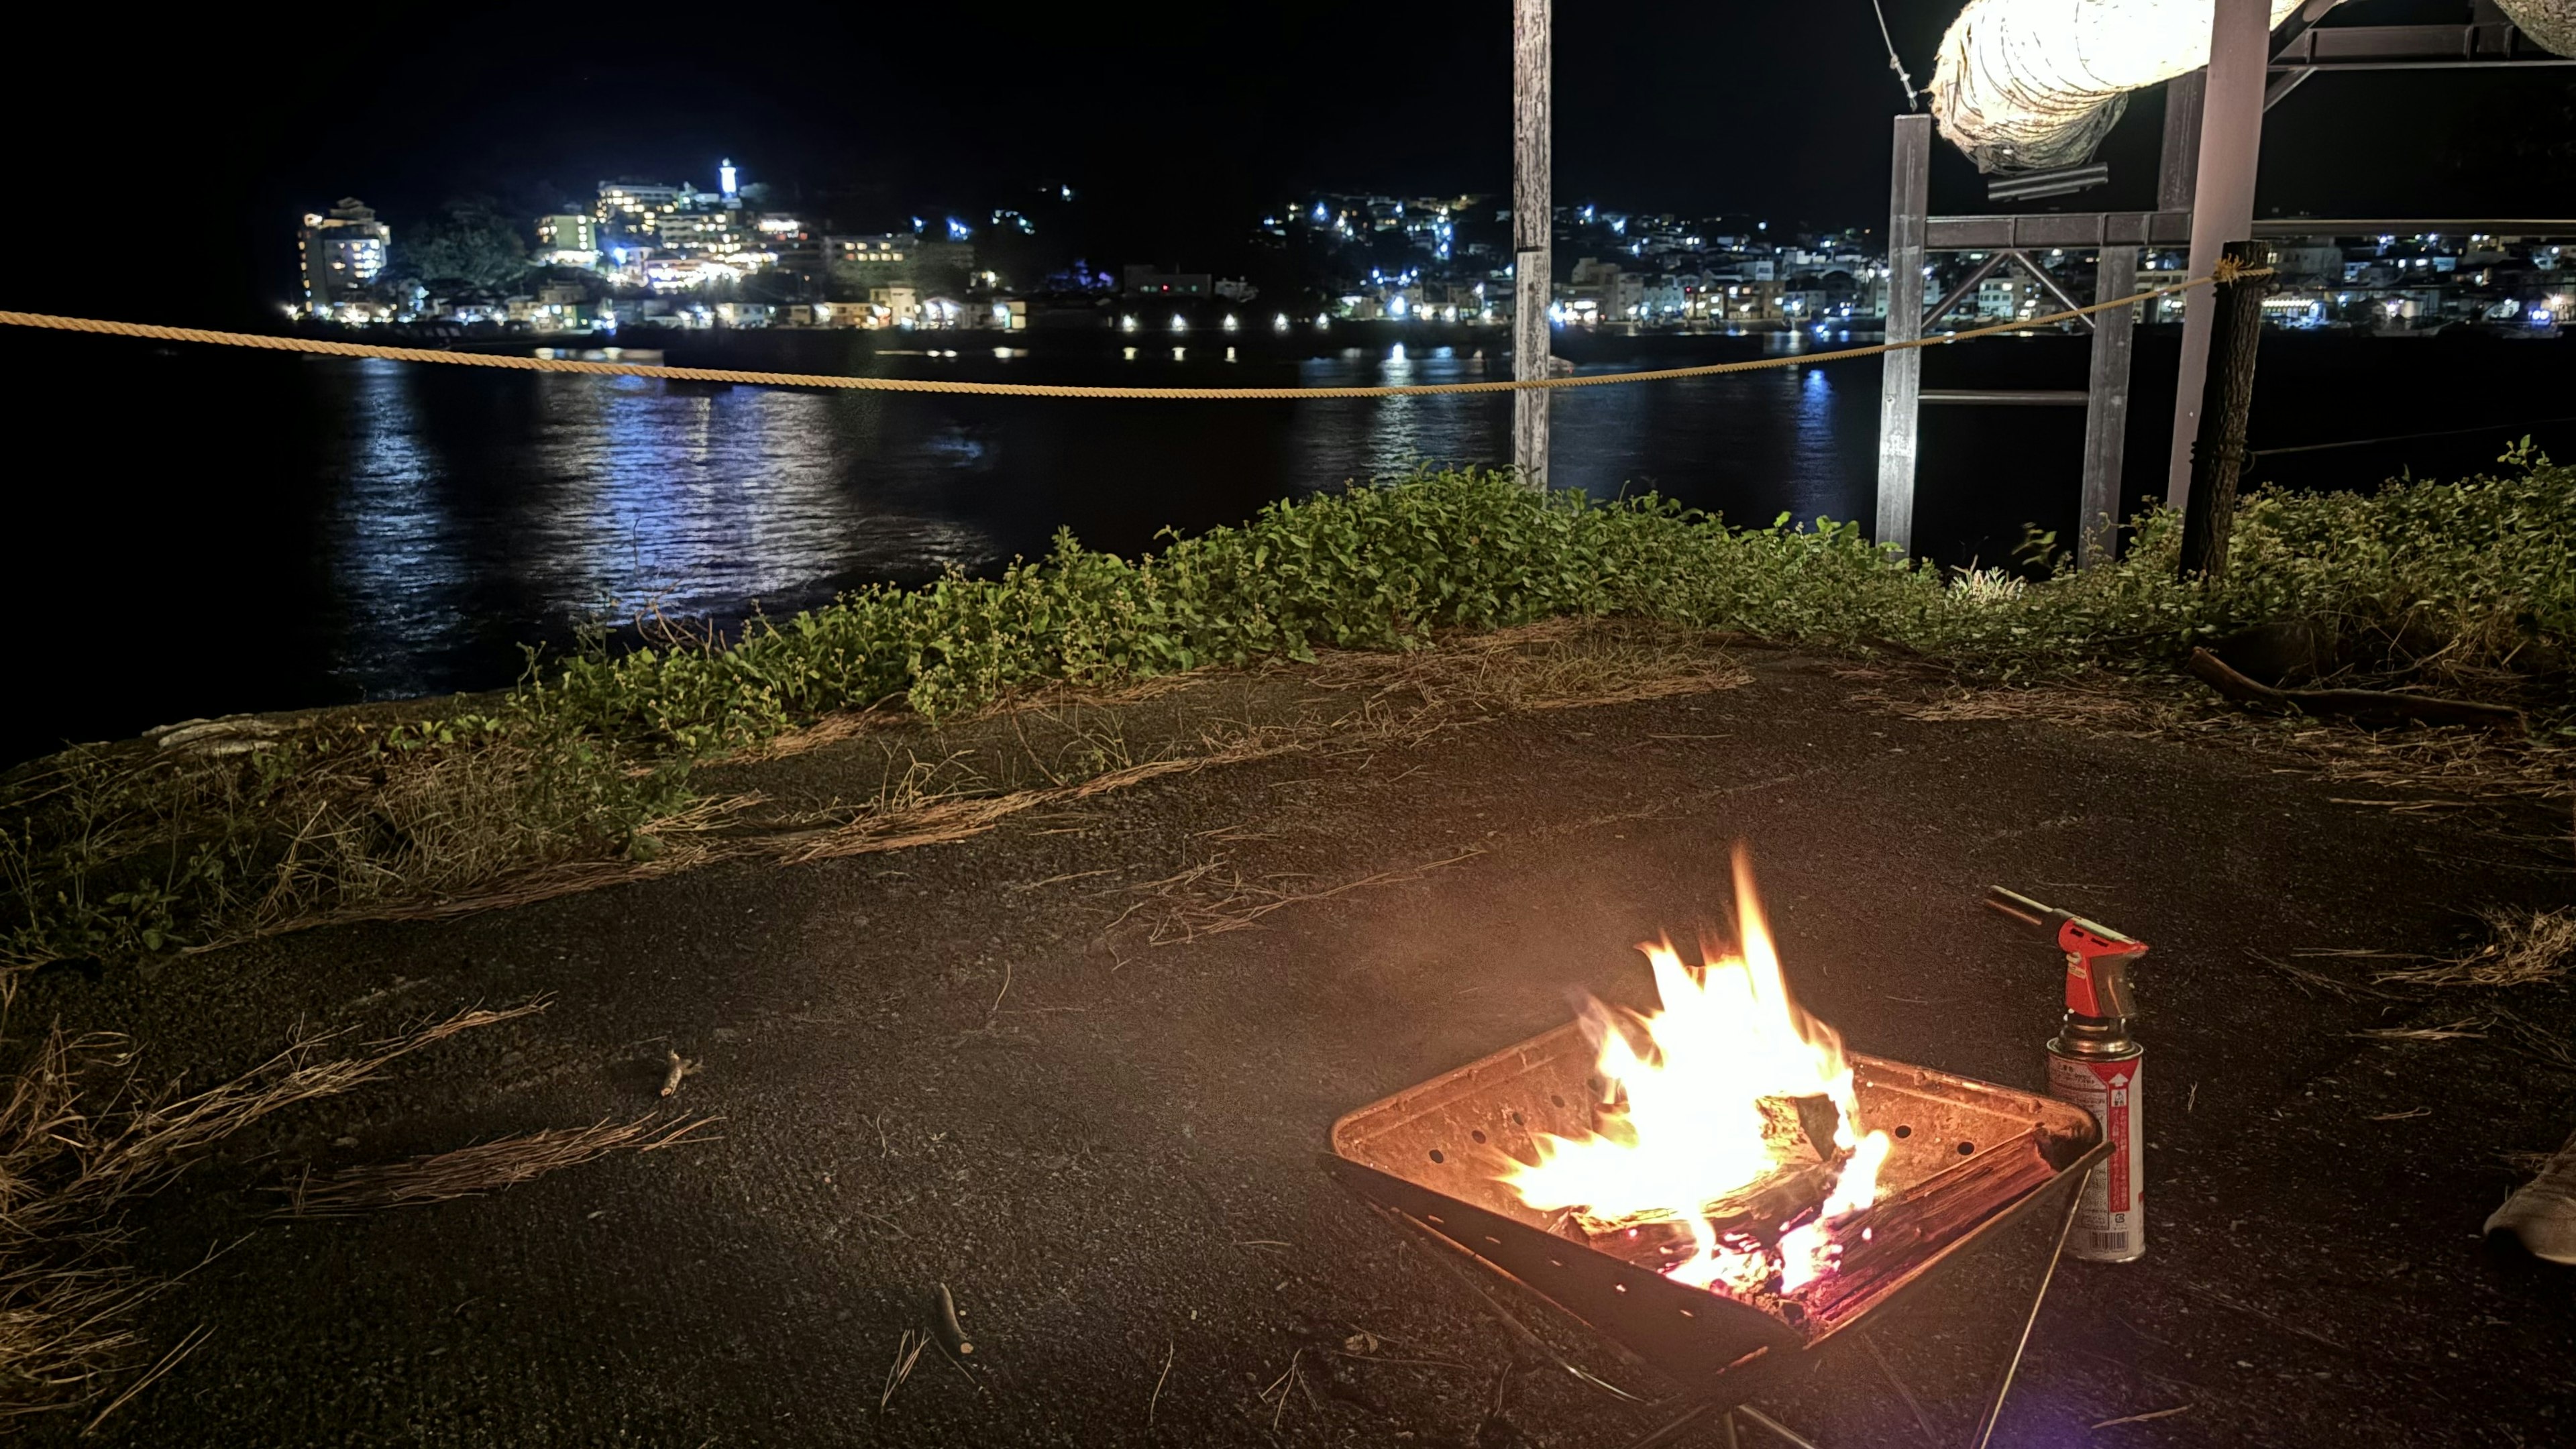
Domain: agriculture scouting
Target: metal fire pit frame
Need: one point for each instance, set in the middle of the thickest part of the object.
(1432, 1154)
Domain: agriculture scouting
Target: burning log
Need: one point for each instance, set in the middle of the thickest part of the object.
(1798, 1132)
(1755, 1216)
(1725, 1139)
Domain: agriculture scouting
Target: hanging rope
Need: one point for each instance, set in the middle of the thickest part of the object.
(316, 346)
(1913, 97)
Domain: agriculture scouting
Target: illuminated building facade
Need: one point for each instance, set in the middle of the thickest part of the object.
(860, 264)
(637, 207)
(710, 233)
(568, 239)
(344, 251)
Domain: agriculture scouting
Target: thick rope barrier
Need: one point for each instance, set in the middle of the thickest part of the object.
(323, 347)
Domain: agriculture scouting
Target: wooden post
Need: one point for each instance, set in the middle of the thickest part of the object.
(1900, 386)
(1533, 230)
(2218, 454)
(2222, 203)
(2106, 412)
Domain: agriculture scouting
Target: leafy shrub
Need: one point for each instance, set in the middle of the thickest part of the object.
(2468, 573)
(2468, 584)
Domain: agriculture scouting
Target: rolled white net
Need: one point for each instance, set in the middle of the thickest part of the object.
(2029, 85)
(2551, 24)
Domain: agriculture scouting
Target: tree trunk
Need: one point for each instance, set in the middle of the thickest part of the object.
(2218, 453)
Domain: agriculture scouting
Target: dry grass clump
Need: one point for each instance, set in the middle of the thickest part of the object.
(1215, 897)
(247, 828)
(481, 1168)
(2469, 765)
(1555, 664)
(81, 1137)
(953, 783)
(2527, 947)
(2466, 1029)
(127, 851)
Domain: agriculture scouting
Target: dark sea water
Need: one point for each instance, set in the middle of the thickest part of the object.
(194, 532)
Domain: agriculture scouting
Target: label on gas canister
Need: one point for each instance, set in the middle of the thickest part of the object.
(2111, 1226)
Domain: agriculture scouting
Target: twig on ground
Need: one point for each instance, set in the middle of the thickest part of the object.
(2304, 979)
(1031, 885)
(2466, 1029)
(169, 1361)
(2143, 1418)
(1279, 1386)
(1187, 915)
(2223, 1301)
(949, 1325)
(680, 1068)
(1157, 1396)
(2537, 1042)
(2214, 672)
(963, 1372)
(1922, 1420)
(907, 1352)
(1412, 1362)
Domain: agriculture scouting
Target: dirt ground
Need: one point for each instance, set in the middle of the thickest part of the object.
(1079, 1069)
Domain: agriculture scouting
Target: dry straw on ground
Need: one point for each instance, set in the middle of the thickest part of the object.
(81, 1137)
(1215, 897)
(2526, 948)
(1053, 747)
(1343, 703)
(2470, 765)
(481, 1168)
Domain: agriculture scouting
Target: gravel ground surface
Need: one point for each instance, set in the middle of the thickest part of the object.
(1079, 1070)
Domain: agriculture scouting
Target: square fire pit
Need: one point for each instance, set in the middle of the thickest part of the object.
(1967, 1157)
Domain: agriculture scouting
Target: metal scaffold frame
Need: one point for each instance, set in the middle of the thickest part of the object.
(2211, 144)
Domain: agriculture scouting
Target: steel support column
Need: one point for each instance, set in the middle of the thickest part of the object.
(1900, 413)
(1533, 229)
(2222, 211)
(2182, 141)
(2106, 414)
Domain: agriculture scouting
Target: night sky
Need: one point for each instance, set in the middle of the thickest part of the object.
(203, 137)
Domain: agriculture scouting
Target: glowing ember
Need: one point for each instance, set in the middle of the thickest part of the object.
(1719, 1105)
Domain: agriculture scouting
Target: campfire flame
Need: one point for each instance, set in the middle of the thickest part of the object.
(1683, 1123)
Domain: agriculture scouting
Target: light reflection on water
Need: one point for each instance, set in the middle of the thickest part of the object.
(618, 498)
(373, 530)
(471, 512)
(1780, 440)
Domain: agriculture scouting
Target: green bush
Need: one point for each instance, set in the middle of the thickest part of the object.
(2468, 584)
(2467, 573)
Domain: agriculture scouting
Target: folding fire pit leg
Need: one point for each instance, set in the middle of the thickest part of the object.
(1519, 1330)
(1690, 1414)
(1668, 1432)
(2074, 1207)
(1689, 1418)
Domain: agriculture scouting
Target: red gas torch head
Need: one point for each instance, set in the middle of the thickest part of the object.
(2097, 957)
